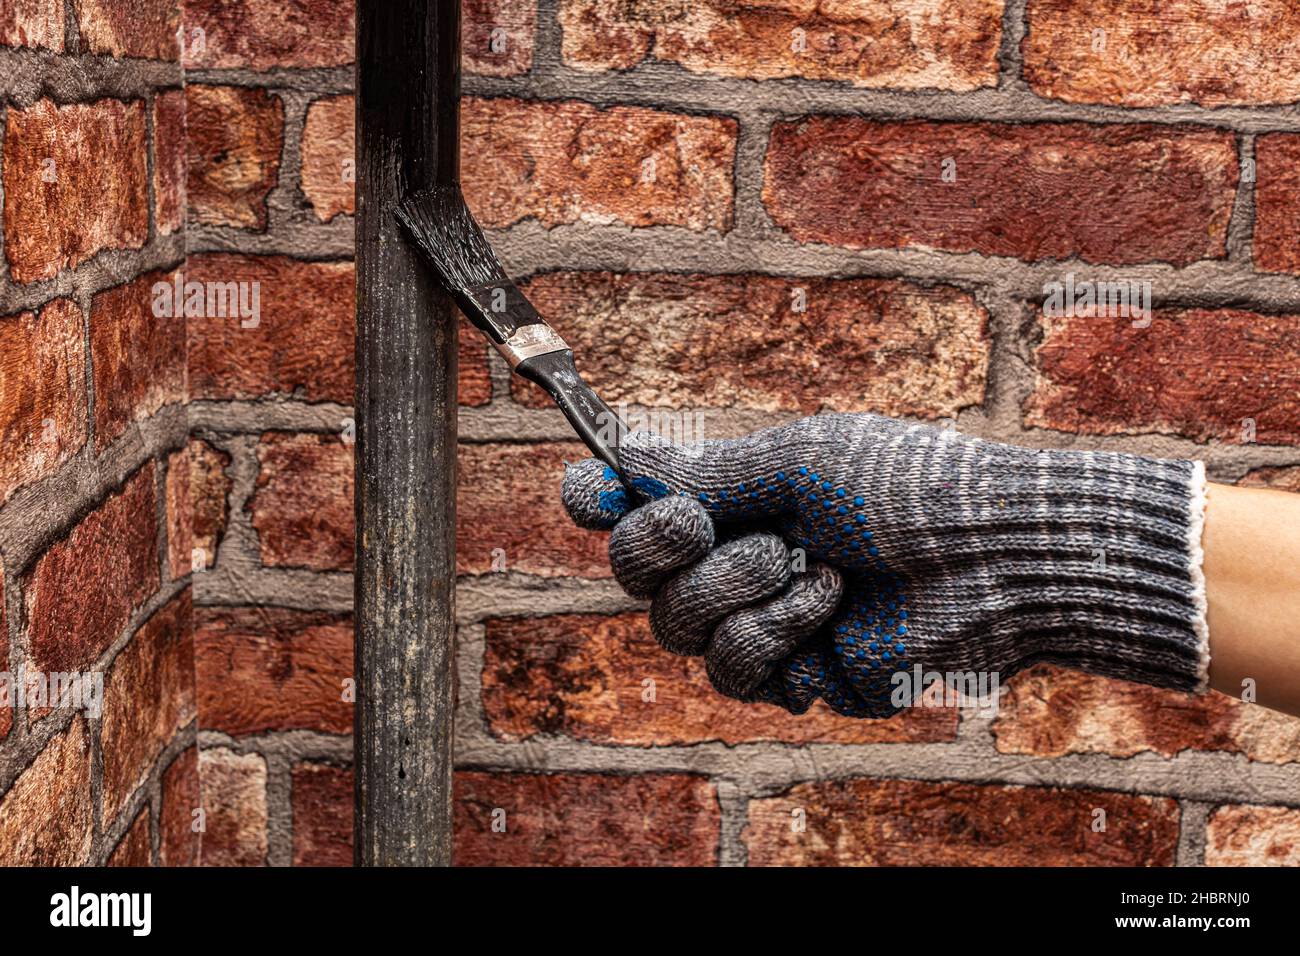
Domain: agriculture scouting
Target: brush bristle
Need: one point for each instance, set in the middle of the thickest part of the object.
(444, 230)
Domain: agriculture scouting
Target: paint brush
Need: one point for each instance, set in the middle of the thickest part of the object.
(444, 231)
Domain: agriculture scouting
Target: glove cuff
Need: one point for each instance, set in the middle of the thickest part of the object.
(1126, 595)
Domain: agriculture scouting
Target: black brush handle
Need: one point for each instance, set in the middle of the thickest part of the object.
(596, 423)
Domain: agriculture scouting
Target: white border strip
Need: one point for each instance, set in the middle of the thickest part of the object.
(1196, 560)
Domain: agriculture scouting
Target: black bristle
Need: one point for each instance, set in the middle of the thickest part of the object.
(444, 230)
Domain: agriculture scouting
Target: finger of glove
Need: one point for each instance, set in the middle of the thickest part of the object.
(736, 574)
(748, 645)
(743, 477)
(657, 539)
(593, 495)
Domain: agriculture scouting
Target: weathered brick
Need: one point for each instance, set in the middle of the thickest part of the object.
(474, 380)
(1051, 712)
(234, 804)
(234, 134)
(301, 506)
(268, 668)
(564, 161)
(328, 164)
(34, 23)
(322, 815)
(148, 699)
(134, 28)
(42, 392)
(1024, 190)
(75, 183)
(300, 343)
(865, 822)
(777, 344)
(1207, 374)
(893, 43)
(576, 819)
(137, 354)
(1159, 52)
(263, 34)
(584, 676)
(169, 160)
(178, 840)
(134, 849)
(1284, 479)
(6, 707)
(1253, 836)
(496, 36)
(82, 591)
(509, 516)
(197, 509)
(46, 817)
(1276, 244)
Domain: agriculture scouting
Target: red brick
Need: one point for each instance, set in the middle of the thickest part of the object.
(1253, 836)
(1024, 190)
(564, 161)
(263, 34)
(6, 710)
(582, 676)
(169, 160)
(99, 196)
(1160, 52)
(83, 590)
(1284, 479)
(134, 848)
(893, 43)
(46, 817)
(178, 843)
(576, 819)
(1277, 202)
(137, 351)
(134, 28)
(1193, 372)
(864, 822)
(322, 815)
(693, 341)
(42, 392)
(1051, 712)
(302, 344)
(268, 668)
(328, 164)
(197, 509)
(301, 507)
(148, 700)
(234, 806)
(235, 135)
(474, 380)
(496, 36)
(34, 23)
(508, 501)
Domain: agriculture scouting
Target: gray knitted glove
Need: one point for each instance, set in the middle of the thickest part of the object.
(923, 547)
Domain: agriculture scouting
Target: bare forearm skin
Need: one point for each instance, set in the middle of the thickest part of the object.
(1252, 586)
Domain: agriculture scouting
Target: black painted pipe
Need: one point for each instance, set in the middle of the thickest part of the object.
(408, 87)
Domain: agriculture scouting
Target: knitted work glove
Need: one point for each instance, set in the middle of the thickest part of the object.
(922, 547)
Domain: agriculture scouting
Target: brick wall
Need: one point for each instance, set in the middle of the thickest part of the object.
(94, 472)
(913, 173)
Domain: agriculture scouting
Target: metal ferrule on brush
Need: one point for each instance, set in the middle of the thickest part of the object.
(517, 331)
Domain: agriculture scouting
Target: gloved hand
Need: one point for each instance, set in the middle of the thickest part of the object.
(923, 547)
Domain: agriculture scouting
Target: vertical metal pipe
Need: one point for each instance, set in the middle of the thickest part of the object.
(408, 86)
